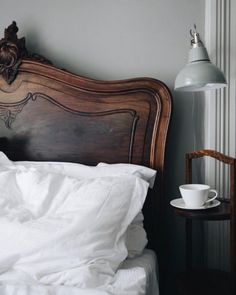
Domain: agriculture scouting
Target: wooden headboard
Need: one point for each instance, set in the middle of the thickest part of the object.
(49, 114)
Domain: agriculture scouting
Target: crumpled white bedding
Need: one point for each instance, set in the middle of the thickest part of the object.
(21, 289)
(59, 235)
(136, 276)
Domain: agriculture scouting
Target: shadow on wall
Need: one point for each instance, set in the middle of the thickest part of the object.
(35, 43)
(186, 134)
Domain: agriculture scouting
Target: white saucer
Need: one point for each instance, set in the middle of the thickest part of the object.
(179, 203)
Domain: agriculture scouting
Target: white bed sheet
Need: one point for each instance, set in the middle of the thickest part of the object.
(136, 276)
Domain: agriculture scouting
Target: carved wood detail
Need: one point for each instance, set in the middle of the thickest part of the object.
(37, 95)
(131, 112)
(9, 112)
(12, 51)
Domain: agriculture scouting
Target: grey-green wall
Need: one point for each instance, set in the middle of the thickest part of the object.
(117, 39)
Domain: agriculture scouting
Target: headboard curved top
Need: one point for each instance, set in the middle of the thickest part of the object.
(49, 114)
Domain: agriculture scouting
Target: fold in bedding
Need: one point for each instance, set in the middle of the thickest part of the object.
(61, 235)
(136, 276)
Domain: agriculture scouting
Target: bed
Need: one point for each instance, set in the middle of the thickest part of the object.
(53, 118)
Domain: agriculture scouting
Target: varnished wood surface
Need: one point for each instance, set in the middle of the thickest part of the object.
(222, 212)
(137, 111)
(210, 153)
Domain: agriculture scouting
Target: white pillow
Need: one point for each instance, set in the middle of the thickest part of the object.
(84, 171)
(136, 239)
(56, 229)
(143, 172)
(64, 168)
(136, 234)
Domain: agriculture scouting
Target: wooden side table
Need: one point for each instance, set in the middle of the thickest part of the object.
(209, 281)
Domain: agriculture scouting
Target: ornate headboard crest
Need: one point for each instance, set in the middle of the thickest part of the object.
(12, 51)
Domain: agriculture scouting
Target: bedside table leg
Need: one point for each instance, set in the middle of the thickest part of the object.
(189, 243)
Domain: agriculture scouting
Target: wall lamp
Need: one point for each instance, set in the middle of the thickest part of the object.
(199, 74)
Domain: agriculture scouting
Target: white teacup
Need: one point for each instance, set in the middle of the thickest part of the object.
(196, 195)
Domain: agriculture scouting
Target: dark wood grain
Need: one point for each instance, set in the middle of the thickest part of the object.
(222, 212)
(210, 153)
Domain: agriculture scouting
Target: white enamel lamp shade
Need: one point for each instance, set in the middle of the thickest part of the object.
(199, 74)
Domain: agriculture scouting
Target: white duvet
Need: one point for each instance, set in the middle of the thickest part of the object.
(60, 235)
